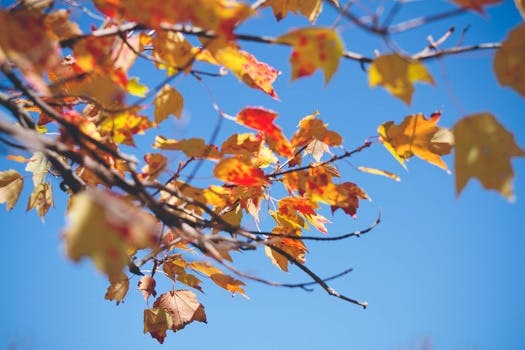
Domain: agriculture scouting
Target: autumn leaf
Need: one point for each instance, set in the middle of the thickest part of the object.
(310, 129)
(11, 183)
(398, 74)
(105, 228)
(60, 25)
(247, 68)
(520, 5)
(246, 144)
(172, 311)
(229, 283)
(33, 51)
(135, 88)
(239, 172)
(146, 285)
(308, 8)
(290, 207)
(380, 172)
(168, 101)
(193, 147)
(220, 16)
(41, 199)
(314, 48)
(508, 60)
(344, 196)
(484, 149)
(118, 288)
(172, 51)
(155, 164)
(476, 5)
(123, 126)
(39, 166)
(262, 120)
(294, 247)
(419, 136)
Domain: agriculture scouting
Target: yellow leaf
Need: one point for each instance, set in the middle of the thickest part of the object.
(308, 8)
(314, 48)
(173, 50)
(105, 228)
(484, 149)
(520, 5)
(155, 164)
(397, 74)
(11, 183)
(193, 147)
(508, 60)
(118, 288)
(375, 171)
(135, 88)
(157, 321)
(418, 136)
(41, 199)
(168, 101)
(121, 127)
(239, 172)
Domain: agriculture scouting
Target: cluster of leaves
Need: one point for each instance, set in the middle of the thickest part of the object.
(77, 84)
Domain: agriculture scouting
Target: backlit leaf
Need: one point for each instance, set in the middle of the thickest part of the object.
(11, 183)
(229, 283)
(262, 120)
(508, 60)
(520, 5)
(193, 147)
(58, 22)
(135, 88)
(39, 166)
(239, 172)
(294, 247)
(308, 8)
(398, 74)
(419, 136)
(168, 101)
(155, 164)
(105, 228)
(310, 129)
(118, 288)
(380, 172)
(484, 149)
(41, 199)
(146, 286)
(172, 310)
(123, 126)
(25, 40)
(314, 48)
(476, 5)
(173, 50)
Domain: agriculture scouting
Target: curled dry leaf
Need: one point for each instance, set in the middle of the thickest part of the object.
(41, 199)
(172, 311)
(118, 288)
(146, 286)
(11, 183)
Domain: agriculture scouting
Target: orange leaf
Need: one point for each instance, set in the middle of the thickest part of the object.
(309, 8)
(168, 101)
(311, 129)
(314, 48)
(118, 288)
(345, 196)
(239, 172)
(262, 120)
(418, 136)
(476, 5)
(155, 164)
(294, 247)
(242, 144)
(229, 283)
(194, 147)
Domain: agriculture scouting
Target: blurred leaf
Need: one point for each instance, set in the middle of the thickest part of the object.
(11, 183)
(508, 60)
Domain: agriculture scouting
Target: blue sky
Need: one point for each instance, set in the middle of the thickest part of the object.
(439, 269)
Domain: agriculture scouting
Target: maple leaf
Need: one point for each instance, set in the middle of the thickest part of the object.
(313, 48)
(105, 228)
(397, 74)
(118, 288)
(247, 68)
(508, 60)
(168, 101)
(60, 25)
(239, 172)
(229, 283)
(290, 206)
(313, 129)
(262, 120)
(173, 50)
(484, 149)
(221, 16)
(246, 144)
(419, 136)
(476, 5)
(11, 183)
(345, 196)
(41, 199)
(193, 147)
(155, 164)
(293, 247)
(308, 8)
(172, 311)
(146, 285)
(122, 126)
(26, 41)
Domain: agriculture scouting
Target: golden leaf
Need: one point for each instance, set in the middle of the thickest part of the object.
(193, 147)
(418, 136)
(484, 149)
(239, 172)
(168, 101)
(508, 60)
(11, 183)
(397, 74)
(118, 288)
(314, 48)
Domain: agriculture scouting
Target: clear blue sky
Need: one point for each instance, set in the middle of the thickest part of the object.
(439, 269)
